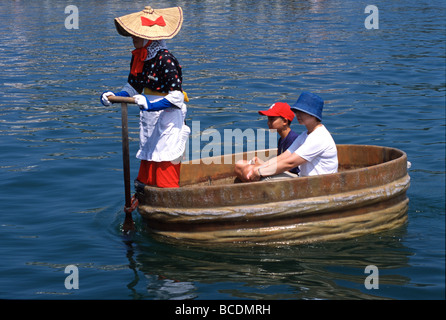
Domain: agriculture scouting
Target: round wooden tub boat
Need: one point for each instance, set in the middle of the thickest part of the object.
(367, 195)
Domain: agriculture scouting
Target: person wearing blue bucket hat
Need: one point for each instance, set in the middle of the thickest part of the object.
(314, 150)
(309, 103)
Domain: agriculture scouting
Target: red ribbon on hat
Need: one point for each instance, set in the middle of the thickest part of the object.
(146, 22)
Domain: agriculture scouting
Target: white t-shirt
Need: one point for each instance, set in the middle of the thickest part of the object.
(319, 149)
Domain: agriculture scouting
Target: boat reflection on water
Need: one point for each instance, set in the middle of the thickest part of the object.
(323, 270)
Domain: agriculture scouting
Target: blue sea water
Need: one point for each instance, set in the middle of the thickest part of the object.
(61, 196)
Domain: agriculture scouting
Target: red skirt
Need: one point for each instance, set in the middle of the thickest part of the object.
(160, 174)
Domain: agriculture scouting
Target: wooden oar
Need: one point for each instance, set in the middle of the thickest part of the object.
(116, 99)
(128, 222)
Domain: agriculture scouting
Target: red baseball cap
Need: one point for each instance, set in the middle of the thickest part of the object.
(279, 109)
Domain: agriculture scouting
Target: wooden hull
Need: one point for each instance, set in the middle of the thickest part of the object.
(367, 195)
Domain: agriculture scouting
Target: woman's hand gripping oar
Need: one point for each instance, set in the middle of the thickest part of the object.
(130, 203)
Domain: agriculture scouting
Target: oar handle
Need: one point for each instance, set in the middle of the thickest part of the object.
(117, 99)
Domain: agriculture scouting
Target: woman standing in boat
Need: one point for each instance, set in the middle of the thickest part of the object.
(314, 150)
(155, 81)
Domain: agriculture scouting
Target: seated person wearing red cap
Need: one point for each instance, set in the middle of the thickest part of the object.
(280, 117)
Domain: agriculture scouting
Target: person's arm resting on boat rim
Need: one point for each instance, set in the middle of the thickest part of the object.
(276, 165)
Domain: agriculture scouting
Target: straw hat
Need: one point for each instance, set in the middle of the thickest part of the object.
(151, 24)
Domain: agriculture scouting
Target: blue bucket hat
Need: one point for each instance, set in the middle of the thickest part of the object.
(309, 103)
